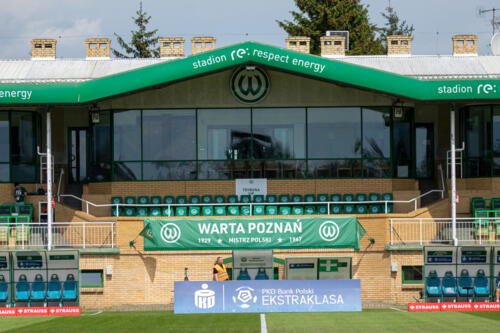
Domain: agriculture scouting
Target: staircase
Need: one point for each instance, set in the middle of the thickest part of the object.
(77, 191)
(426, 185)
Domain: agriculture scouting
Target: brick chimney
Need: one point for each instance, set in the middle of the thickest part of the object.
(464, 45)
(171, 47)
(43, 49)
(202, 44)
(332, 46)
(97, 48)
(299, 44)
(399, 45)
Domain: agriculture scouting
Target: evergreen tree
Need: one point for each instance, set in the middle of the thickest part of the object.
(315, 17)
(143, 43)
(393, 26)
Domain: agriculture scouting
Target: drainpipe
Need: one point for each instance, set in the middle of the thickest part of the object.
(453, 177)
(49, 182)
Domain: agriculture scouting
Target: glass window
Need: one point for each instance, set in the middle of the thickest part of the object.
(169, 170)
(22, 146)
(411, 274)
(279, 133)
(4, 137)
(127, 135)
(91, 278)
(223, 169)
(334, 132)
(478, 139)
(169, 135)
(376, 133)
(496, 140)
(4, 172)
(101, 148)
(402, 141)
(127, 171)
(224, 134)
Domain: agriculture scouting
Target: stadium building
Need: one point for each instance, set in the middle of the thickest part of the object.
(372, 133)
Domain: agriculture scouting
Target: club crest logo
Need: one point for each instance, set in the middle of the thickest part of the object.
(329, 231)
(170, 233)
(249, 84)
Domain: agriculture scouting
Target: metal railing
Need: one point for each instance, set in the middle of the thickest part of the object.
(64, 235)
(428, 231)
(385, 203)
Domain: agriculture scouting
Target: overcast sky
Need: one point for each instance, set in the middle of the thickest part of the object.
(230, 21)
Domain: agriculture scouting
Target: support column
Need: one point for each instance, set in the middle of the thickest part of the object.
(453, 176)
(49, 182)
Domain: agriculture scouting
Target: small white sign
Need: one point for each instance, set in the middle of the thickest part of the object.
(251, 186)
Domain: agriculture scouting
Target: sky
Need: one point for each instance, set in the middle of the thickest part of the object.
(230, 21)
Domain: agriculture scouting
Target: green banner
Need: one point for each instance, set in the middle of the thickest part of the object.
(253, 233)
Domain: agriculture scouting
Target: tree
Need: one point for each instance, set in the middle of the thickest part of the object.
(393, 26)
(143, 43)
(318, 16)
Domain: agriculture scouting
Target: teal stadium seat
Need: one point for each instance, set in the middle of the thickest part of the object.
(181, 211)
(245, 210)
(449, 285)
(167, 211)
(481, 284)
(374, 208)
(361, 208)
(4, 289)
(194, 211)
(297, 198)
(258, 210)
(433, 285)
(322, 209)
(309, 198)
(70, 289)
(284, 198)
(297, 210)
(54, 289)
(465, 284)
(220, 210)
(155, 211)
(220, 199)
(143, 200)
(245, 198)
(261, 274)
(271, 210)
(207, 210)
(348, 208)
(38, 291)
(168, 200)
(285, 210)
(271, 198)
(142, 211)
(258, 198)
(22, 293)
(310, 210)
(233, 210)
(194, 199)
(243, 275)
(116, 200)
(206, 199)
(129, 210)
(181, 200)
(390, 206)
(156, 200)
(232, 199)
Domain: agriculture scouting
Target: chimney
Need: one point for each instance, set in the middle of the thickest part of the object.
(464, 45)
(332, 46)
(171, 47)
(43, 49)
(398, 45)
(298, 43)
(202, 44)
(97, 48)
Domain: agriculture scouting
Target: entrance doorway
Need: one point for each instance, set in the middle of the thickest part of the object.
(77, 154)
(424, 150)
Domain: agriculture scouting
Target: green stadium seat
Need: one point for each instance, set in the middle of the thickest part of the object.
(361, 209)
(142, 211)
(233, 210)
(143, 200)
(337, 209)
(258, 198)
(194, 199)
(323, 197)
(309, 198)
(258, 210)
(155, 211)
(271, 210)
(322, 210)
(310, 210)
(348, 208)
(129, 211)
(166, 211)
(297, 198)
(348, 197)
(271, 198)
(232, 199)
(181, 200)
(361, 197)
(245, 198)
(374, 197)
(156, 200)
(336, 197)
(245, 211)
(297, 210)
(495, 204)
(6, 210)
(283, 198)
(285, 210)
(207, 210)
(130, 200)
(220, 210)
(206, 199)
(375, 208)
(169, 200)
(181, 211)
(116, 200)
(220, 199)
(194, 211)
(390, 206)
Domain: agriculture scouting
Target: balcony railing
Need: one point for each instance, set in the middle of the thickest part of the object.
(65, 235)
(433, 231)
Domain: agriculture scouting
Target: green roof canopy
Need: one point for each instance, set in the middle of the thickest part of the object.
(249, 52)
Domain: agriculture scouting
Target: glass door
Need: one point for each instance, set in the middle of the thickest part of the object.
(77, 154)
(424, 151)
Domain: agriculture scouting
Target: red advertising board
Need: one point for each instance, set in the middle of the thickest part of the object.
(41, 311)
(454, 306)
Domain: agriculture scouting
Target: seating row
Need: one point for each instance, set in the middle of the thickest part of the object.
(465, 286)
(348, 204)
(479, 203)
(15, 210)
(41, 291)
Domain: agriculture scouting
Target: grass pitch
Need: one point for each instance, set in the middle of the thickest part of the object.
(371, 321)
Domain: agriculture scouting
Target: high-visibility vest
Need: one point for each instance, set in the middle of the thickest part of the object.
(221, 272)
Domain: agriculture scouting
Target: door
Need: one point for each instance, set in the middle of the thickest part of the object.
(424, 151)
(77, 159)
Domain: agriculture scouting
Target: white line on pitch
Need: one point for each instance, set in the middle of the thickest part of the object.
(398, 310)
(94, 314)
(263, 326)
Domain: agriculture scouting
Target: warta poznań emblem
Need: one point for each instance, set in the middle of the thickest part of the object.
(249, 84)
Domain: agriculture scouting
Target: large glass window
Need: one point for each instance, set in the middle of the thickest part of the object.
(100, 166)
(127, 135)
(22, 146)
(478, 138)
(4, 147)
(496, 141)
(402, 143)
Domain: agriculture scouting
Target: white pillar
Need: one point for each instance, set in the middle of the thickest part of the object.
(453, 177)
(49, 182)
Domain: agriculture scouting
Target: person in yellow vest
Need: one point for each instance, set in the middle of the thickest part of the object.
(219, 271)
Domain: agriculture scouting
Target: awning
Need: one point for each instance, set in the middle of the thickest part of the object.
(252, 233)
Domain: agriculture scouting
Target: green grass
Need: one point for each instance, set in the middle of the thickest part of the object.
(369, 321)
